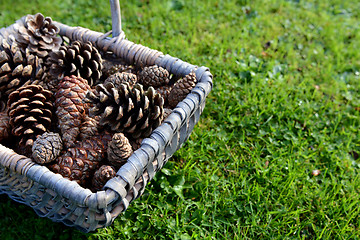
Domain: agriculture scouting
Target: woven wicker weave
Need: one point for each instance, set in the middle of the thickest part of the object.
(61, 200)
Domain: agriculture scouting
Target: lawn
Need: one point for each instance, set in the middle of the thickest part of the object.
(285, 102)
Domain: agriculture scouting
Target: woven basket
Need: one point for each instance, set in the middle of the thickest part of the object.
(61, 200)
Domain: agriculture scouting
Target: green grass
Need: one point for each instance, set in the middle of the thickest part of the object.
(285, 102)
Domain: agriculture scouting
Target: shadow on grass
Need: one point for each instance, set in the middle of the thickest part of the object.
(19, 221)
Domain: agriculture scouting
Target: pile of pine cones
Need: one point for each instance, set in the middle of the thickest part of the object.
(66, 107)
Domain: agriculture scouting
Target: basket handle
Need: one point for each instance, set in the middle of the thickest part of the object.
(116, 17)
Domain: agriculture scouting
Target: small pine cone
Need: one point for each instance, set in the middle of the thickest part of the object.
(47, 148)
(17, 67)
(39, 35)
(125, 109)
(49, 82)
(135, 143)
(101, 176)
(79, 59)
(119, 150)
(181, 89)
(110, 68)
(70, 108)
(79, 163)
(153, 76)
(30, 110)
(164, 91)
(119, 78)
(4, 125)
(89, 127)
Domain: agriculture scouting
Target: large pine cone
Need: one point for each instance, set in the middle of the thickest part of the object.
(101, 176)
(47, 147)
(30, 110)
(4, 125)
(119, 150)
(181, 89)
(153, 76)
(79, 163)
(79, 59)
(17, 67)
(39, 35)
(122, 77)
(70, 108)
(125, 109)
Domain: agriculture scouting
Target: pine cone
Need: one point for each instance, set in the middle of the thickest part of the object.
(89, 127)
(110, 68)
(70, 108)
(30, 111)
(164, 91)
(119, 150)
(17, 67)
(5, 128)
(119, 78)
(47, 148)
(181, 89)
(135, 143)
(49, 82)
(153, 76)
(79, 163)
(39, 35)
(79, 59)
(126, 109)
(101, 176)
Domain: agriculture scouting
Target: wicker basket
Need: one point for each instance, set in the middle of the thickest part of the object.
(61, 200)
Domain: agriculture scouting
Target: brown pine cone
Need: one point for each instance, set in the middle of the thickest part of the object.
(135, 143)
(30, 110)
(89, 127)
(164, 91)
(79, 59)
(5, 128)
(101, 176)
(70, 108)
(17, 67)
(123, 77)
(79, 163)
(47, 148)
(110, 68)
(39, 35)
(153, 76)
(49, 82)
(181, 89)
(126, 109)
(119, 150)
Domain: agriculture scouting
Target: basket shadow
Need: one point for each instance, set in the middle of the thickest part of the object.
(19, 221)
